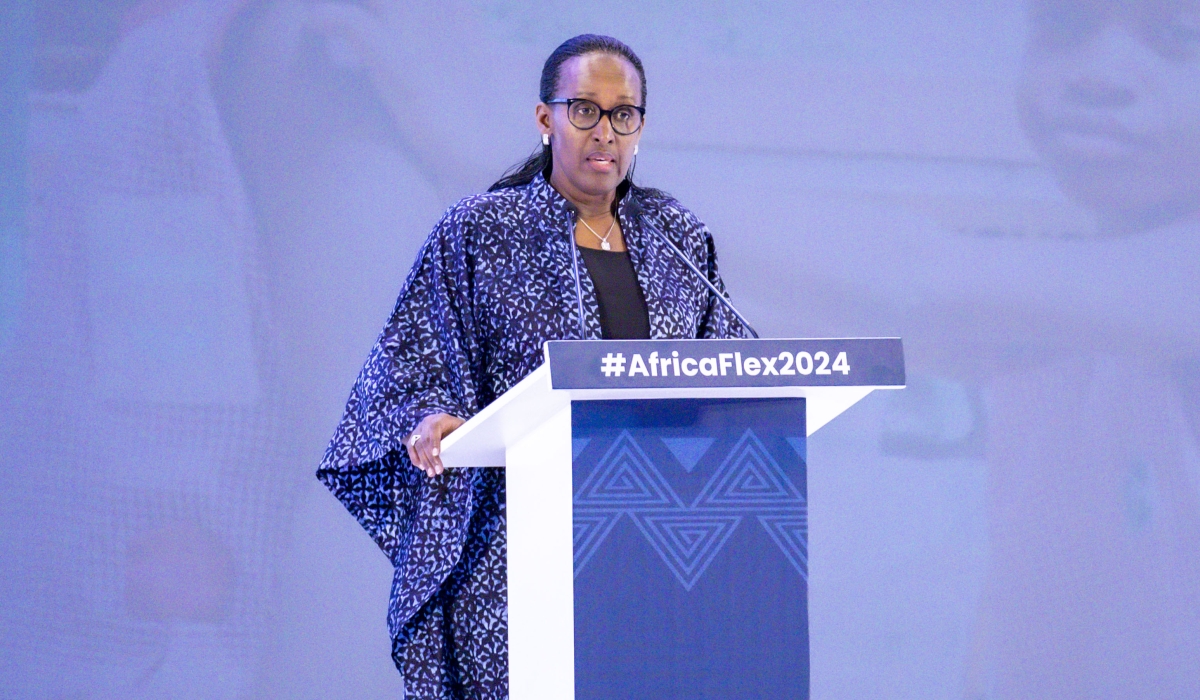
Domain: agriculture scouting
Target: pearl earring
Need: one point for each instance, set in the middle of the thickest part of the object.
(635, 146)
(545, 139)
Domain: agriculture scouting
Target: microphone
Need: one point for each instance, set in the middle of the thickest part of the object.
(575, 266)
(635, 209)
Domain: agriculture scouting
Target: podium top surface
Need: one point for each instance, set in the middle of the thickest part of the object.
(832, 374)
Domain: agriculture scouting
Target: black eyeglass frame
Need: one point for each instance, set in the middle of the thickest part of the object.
(568, 101)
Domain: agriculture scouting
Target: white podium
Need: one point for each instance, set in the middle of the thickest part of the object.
(528, 430)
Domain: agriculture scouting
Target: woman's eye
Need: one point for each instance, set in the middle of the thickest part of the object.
(1177, 38)
(1064, 27)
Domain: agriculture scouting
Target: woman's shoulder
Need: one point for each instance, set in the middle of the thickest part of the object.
(480, 209)
(667, 211)
(475, 220)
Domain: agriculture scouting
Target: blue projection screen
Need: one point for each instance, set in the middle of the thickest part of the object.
(209, 207)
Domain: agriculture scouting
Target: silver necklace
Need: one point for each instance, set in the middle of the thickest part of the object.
(604, 244)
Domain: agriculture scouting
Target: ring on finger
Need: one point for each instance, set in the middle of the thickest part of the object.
(412, 441)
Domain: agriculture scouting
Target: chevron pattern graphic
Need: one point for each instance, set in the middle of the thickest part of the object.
(790, 532)
(590, 529)
(687, 542)
(625, 477)
(749, 477)
(688, 450)
(689, 538)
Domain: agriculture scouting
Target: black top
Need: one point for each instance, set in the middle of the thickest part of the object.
(623, 314)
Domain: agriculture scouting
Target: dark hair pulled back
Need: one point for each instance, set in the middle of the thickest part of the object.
(541, 160)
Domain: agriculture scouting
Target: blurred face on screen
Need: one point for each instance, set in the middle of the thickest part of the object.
(1110, 96)
(74, 39)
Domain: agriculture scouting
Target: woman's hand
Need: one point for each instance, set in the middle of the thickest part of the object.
(425, 443)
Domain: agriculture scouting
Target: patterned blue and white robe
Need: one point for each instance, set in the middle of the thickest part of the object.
(492, 283)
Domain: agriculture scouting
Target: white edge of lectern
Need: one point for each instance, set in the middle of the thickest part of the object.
(483, 440)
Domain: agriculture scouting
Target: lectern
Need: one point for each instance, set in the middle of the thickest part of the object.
(657, 511)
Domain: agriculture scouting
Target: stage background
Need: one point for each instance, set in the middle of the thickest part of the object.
(208, 208)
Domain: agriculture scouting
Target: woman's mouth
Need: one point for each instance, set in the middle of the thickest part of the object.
(1097, 141)
(602, 162)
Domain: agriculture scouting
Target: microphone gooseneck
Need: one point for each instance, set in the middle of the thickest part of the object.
(637, 211)
(575, 266)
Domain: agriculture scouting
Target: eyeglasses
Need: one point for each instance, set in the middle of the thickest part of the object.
(585, 114)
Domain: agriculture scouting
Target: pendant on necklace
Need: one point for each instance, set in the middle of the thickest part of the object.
(605, 245)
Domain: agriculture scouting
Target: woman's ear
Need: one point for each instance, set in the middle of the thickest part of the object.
(542, 117)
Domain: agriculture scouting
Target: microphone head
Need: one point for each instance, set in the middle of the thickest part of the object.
(572, 209)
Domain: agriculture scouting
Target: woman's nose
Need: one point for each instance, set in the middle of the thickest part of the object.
(1099, 94)
(1112, 66)
(603, 131)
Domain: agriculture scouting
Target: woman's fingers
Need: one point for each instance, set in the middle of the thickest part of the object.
(445, 425)
(416, 454)
(427, 449)
(423, 449)
(434, 448)
(412, 454)
(425, 443)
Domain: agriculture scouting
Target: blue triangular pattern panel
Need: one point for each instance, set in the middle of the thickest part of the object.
(687, 542)
(749, 478)
(625, 477)
(590, 530)
(790, 533)
(577, 446)
(688, 450)
(800, 445)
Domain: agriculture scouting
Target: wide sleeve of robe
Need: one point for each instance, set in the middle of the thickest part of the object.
(422, 363)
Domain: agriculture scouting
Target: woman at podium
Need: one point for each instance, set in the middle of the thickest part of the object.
(563, 246)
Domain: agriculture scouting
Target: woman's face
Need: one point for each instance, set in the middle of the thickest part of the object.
(591, 162)
(1110, 95)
